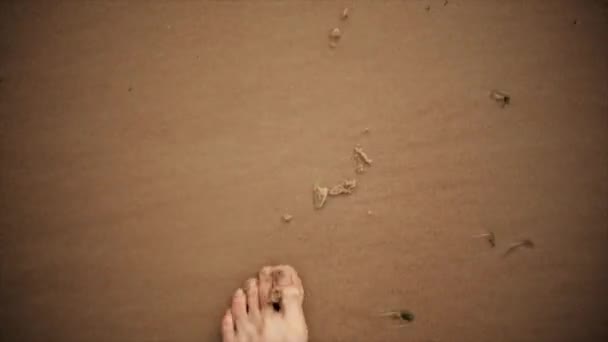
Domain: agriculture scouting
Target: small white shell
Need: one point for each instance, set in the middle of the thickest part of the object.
(335, 34)
(345, 13)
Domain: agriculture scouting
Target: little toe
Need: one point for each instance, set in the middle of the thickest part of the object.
(228, 328)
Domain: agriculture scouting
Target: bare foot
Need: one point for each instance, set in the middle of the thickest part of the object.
(268, 310)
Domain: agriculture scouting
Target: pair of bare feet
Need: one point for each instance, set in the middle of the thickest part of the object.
(268, 309)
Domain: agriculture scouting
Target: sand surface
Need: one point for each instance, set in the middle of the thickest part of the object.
(148, 151)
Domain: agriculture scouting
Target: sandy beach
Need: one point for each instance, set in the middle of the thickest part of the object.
(149, 149)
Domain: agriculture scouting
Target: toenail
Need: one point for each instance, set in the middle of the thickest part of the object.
(281, 278)
(239, 293)
(228, 318)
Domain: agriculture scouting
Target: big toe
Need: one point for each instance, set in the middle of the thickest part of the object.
(285, 275)
(280, 289)
(287, 296)
(287, 285)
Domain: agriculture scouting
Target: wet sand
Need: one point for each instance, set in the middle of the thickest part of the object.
(149, 150)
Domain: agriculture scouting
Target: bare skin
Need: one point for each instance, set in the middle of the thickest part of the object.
(252, 316)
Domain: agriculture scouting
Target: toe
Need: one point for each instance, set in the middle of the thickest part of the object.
(285, 275)
(264, 286)
(288, 288)
(291, 298)
(253, 299)
(280, 284)
(228, 328)
(239, 307)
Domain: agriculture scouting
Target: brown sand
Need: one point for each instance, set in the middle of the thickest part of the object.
(149, 150)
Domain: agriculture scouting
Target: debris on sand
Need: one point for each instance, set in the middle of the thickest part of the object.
(320, 193)
(361, 159)
(345, 188)
(402, 316)
(489, 236)
(370, 213)
(362, 155)
(287, 218)
(502, 98)
(366, 130)
(527, 243)
(319, 196)
(334, 37)
(335, 33)
(345, 13)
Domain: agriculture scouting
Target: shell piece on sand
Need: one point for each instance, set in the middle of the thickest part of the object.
(362, 156)
(345, 188)
(361, 159)
(502, 98)
(319, 196)
(335, 34)
(345, 13)
(527, 243)
(287, 218)
(489, 236)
